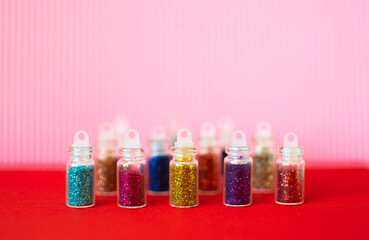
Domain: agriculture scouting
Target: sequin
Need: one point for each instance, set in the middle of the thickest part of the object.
(106, 175)
(262, 178)
(183, 180)
(159, 173)
(80, 186)
(289, 185)
(237, 184)
(208, 173)
(131, 188)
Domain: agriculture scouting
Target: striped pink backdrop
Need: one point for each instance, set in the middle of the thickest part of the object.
(67, 65)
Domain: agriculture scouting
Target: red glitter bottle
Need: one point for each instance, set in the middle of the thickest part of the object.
(290, 172)
(208, 159)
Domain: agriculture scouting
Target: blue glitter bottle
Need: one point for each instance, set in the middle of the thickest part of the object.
(237, 172)
(80, 173)
(158, 163)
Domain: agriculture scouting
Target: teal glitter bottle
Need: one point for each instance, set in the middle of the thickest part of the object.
(80, 173)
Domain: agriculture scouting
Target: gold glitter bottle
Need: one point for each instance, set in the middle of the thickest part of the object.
(290, 172)
(80, 192)
(183, 181)
(208, 159)
(262, 181)
(106, 161)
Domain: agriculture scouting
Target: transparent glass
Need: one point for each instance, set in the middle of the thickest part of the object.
(237, 177)
(263, 166)
(131, 173)
(158, 168)
(80, 172)
(289, 178)
(106, 172)
(183, 181)
(209, 170)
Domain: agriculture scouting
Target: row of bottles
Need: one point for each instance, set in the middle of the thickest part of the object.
(185, 172)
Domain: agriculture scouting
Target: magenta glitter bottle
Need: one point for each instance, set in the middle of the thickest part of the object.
(237, 172)
(131, 172)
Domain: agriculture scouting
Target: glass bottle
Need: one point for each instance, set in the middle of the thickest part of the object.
(131, 172)
(80, 173)
(158, 162)
(208, 159)
(263, 160)
(237, 172)
(290, 170)
(226, 127)
(183, 183)
(106, 161)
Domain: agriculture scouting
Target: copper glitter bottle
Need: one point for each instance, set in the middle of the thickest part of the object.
(183, 172)
(131, 172)
(106, 161)
(208, 161)
(262, 179)
(290, 174)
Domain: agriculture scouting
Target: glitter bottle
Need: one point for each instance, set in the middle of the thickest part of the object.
(237, 172)
(80, 173)
(226, 126)
(131, 172)
(106, 161)
(263, 160)
(183, 183)
(158, 163)
(290, 172)
(208, 159)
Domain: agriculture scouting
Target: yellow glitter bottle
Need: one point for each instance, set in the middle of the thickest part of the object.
(183, 179)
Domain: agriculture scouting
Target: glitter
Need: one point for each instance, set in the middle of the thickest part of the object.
(131, 188)
(237, 184)
(106, 175)
(159, 173)
(262, 179)
(183, 185)
(289, 185)
(80, 186)
(208, 173)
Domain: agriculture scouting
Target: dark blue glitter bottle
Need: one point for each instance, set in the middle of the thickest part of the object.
(80, 173)
(158, 163)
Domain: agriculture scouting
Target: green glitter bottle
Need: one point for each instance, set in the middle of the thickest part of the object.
(80, 173)
(183, 177)
(263, 169)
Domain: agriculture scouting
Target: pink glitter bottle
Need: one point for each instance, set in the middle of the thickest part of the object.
(131, 172)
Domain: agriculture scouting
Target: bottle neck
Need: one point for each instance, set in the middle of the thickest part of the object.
(183, 154)
(238, 153)
(207, 146)
(291, 154)
(81, 154)
(159, 147)
(132, 154)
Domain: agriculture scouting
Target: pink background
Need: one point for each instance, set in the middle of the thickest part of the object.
(67, 65)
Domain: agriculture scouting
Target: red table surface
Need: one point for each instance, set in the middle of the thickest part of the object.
(336, 207)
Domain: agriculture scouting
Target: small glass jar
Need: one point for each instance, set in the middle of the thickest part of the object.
(209, 174)
(106, 162)
(183, 183)
(238, 173)
(80, 173)
(290, 171)
(263, 166)
(131, 172)
(158, 165)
